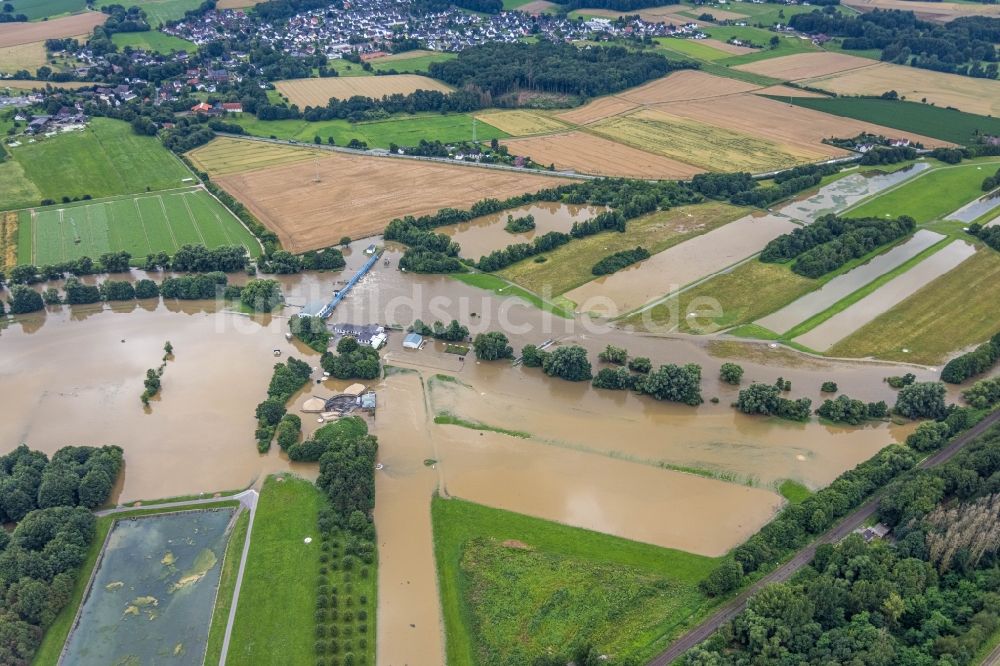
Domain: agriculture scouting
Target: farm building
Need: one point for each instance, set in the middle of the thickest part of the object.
(366, 334)
(412, 341)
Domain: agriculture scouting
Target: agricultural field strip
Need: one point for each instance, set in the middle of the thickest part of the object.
(847, 283)
(13, 34)
(842, 324)
(318, 92)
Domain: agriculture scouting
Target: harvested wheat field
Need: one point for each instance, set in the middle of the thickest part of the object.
(709, 147)
(236, 4)
(797, 129)
(357, 195)
(965, 93)
(405, 55)
(787, 91)
(521, 123)
(225, 156)
(579, 151)
(806, 65)
(599, 109)
(941, 12)
(12, 34)
(317, 92)
(684, 85)
(22, 56)
(726, 46)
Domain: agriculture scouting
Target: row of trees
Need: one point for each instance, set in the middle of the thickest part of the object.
(619, 260)
(286, 380)
(989, 235)
(766, 400)
(844, 409)
(453, 332)
(109, 262)
(973, 363)
(49, 501)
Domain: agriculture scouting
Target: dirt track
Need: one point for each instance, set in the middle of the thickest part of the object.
(805, 556)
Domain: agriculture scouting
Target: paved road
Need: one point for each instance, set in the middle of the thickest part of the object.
(250, 501)
(804, 556)
(993, 658)
(243, 498)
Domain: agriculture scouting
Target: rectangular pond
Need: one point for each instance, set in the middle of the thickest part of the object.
(844, 285)
(152, 596)
(894, 291)
(974, 210)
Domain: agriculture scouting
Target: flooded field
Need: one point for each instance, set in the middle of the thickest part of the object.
(971, 212)
(846, 284)
(849, 190)
(482, 235)
(668, 271)
(152, 596)
(868, 308)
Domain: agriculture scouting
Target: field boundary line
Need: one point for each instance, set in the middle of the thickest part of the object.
(170, 227)
(191, 215)
(236, 217)
(135, 202)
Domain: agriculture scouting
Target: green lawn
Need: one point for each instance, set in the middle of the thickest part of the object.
(793, 491)
(161, 11)
(766, 14)
(140, 224)
(227, 585)
(415, 64)
(52, 643)
(347, 68)
(514, 587)
(39, 9)
(275, 613)
(569, 265)
(402, 130)
(692, 48)
(105, 159)
(503, 288)
(931, 195)
(945, 124)
(157, 42)
(787, 45)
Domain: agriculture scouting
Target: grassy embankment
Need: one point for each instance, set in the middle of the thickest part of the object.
(275, 619)
(227, 585)
(106, 159)
(501, 287)
(569, 265)
(512, 587)
(402, 130)
(57, 633)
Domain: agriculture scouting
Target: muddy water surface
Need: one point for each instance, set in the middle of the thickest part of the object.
(843, 285)
(973, 211)
(848, 191)
(482, 235)
(896, 290)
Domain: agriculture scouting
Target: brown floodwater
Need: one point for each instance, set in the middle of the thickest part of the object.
(843, 285)
(892, 292)
(485, 234)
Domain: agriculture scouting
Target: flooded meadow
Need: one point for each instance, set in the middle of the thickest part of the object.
(152, 594)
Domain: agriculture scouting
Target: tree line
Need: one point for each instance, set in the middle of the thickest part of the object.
(49, 502)
(961, 46)
(973, 363)
(353, 360)
(286, 379)
(927, 598)
(619, 260)
(832, 241)
(989, 235)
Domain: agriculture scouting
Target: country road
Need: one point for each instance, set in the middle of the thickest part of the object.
(804, 556)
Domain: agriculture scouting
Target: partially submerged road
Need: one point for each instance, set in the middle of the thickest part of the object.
(853, 521)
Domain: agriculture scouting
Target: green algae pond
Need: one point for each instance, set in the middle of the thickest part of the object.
(151, 598)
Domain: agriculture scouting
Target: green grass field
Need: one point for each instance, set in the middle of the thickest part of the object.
(945, 124)
(793, 491)
(139, 224)
(787, 45)
(55, 636)
(161, 11)
(692, 48)
(39, 9)
(931, 195)
(550, 586)
(157, 42)
(347, 68)
(401, 130)
(274, 618)
(414, 64)
(503, 288)
(103, 160)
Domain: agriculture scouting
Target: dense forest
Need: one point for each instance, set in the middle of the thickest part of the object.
(963, 46)
(931, 595)
(544, 66)
(49, 502)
